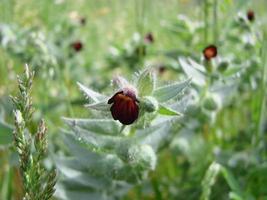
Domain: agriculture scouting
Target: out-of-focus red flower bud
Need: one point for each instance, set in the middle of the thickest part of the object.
(82, 21)
(149, 38)
(210, 52)
(251, 15)
(162, 69)
(77, 46)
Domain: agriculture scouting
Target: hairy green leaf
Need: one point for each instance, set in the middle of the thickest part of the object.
(154, 135)
(193, 70)
(101, 106)
(168, 92)
(164, 110)
(90, 94)
(146, 82)
(99, 126)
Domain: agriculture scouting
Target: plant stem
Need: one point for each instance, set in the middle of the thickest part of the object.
(263, 93)
(63, 83)
(140, 11)
(215, 21)
(206, 21)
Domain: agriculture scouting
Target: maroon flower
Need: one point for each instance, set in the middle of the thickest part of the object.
(161, 69)
(210, 52)
(250, 15)
(83, 21)
(125, 106)
(149, 38)
(77, 46)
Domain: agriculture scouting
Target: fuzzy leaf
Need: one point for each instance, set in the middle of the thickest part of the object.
(99, 126)
(146, 82)
(90, 94)
(154, 135)
(77, 175)
(168, 92)
(98, 164)
(164, 110)
(197, 66)
(224, 90)
(120, 82)
(232, 71)
(193, 71)
(96, 141)
(101, 106)
(68, 194)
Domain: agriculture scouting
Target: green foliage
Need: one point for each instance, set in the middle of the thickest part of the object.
(168, 92)
(118, 154)
(201, 123)
(146, 82)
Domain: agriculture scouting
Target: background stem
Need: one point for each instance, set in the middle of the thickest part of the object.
(215, 22)
(206, 21)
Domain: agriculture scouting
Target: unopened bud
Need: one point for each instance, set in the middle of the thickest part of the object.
(143, 156)
(223, 66)
(150, 104)
(209, 103)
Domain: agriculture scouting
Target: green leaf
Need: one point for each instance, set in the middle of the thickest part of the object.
(168, 92)
(95, 140)
(76, 175)
(70, 194)
(235, 196)
(194, 70)
(146, 82)
(90, 94)
(222, 91)
(163, 110)
(98, 164)
(99, 126)
(120, 82)
(101, 106)
(6, 133)
(231, 71)
(231, 181)
(154, 135)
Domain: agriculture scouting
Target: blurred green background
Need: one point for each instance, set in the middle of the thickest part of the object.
(54, 25)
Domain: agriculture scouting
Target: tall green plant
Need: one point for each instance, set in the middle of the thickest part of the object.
(32, 147)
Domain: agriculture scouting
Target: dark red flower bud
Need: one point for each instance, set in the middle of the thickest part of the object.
(250, 15)
(82, 21)
(125, 106)
(162, 69)
(77, 46)
(149, 38)
(210, 52)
